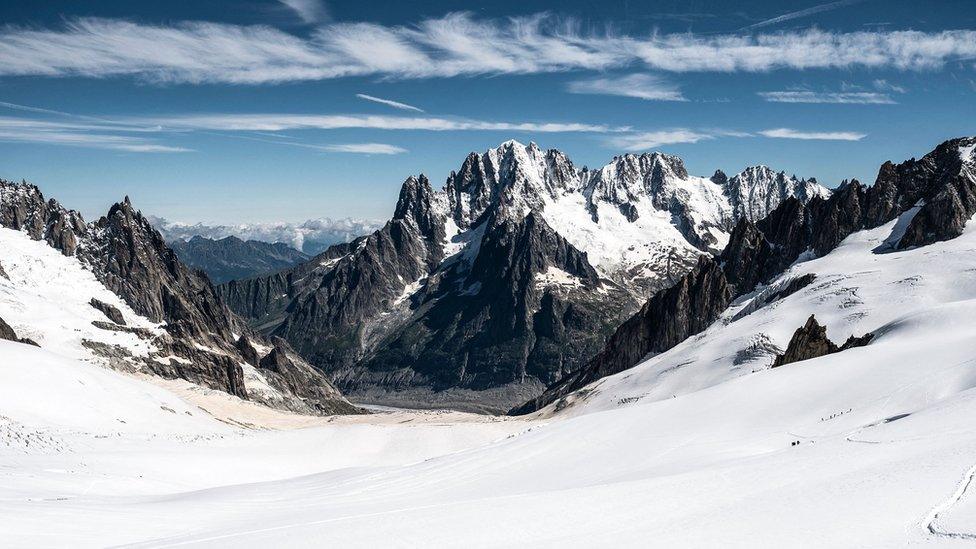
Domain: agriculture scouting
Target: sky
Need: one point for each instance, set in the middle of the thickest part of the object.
(285, 110)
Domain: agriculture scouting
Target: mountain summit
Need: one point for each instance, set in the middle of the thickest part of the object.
(508, 278)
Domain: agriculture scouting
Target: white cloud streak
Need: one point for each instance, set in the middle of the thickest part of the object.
(642, 141)
(861, 98)
(281, 122)
(453, 45)
(20, 130)
(389, 103)
(787, 133)
(884, 85)
(309, 11)
(364, 148)
(640, 86)
(802, 13)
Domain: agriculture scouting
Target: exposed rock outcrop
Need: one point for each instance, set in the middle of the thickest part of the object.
(8, 333)
(774, 293)
(509, 325)
(286, 370)
(248, 352)
(811, 341)
(668, 318)
(23, 208)
(110, 311)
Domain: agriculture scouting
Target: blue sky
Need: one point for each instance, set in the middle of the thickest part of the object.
(268, 110)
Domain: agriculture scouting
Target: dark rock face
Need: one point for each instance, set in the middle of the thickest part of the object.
(23, 208)
(772, 294)
(940, 181)
(811, 341)
(327, 325)
(473, 324)
(129, 256)
(8, 333)
(285, 369)
(265, 299)
(131, 259)
(231, 258)
(944, 184)
(248, 352)
(505, 328)
(110, 311)
(630, 212)
(668, 318)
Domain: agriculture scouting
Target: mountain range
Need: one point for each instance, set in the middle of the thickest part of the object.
(509, 278)
(231, 258)
(311, 236)
(516, 285)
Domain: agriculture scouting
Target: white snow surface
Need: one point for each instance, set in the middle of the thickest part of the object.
(47, 299)
(687, 449)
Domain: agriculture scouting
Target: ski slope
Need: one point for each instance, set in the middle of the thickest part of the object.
(690, 448)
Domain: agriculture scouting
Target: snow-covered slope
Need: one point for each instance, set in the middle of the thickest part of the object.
(46, 297)
(694, 447)
(917, 302)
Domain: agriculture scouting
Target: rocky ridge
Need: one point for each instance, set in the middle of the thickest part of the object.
(942, 184)
(811, 341)
(507, 279)
(231, 258)
(129, 257)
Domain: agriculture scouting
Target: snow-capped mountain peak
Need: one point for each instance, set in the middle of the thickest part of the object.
(757, 190)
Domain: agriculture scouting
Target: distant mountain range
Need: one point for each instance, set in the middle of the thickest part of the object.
(509, 278)
(231, 258)
(311, 237)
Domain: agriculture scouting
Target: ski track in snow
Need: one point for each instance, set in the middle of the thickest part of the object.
(930, 522)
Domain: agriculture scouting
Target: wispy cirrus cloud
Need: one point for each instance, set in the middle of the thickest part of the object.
(132, 133)
(640, 86)
(788, 133)
(641, 141)
(884, 85)
(364, 148)
(389, 103)
(309, 11)
(861, 98)
(272, 122)
(19, 130)
(456, 44)
(813, 10)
